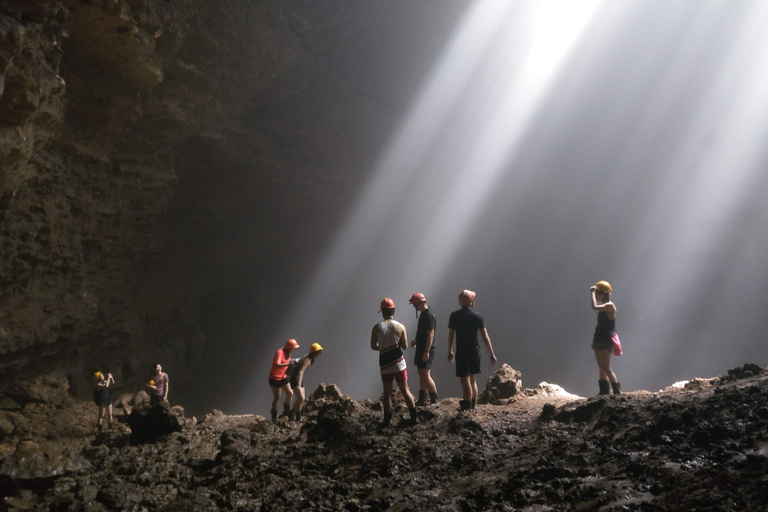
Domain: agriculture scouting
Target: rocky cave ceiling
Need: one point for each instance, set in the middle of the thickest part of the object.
(162, 159)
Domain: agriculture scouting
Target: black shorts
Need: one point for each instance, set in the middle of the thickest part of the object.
(279, 383)
(424, 365)
(101, 398)
(467, 364)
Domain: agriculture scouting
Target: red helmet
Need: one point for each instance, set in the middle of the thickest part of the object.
(466, 298)
(416, 298)
(291, 343)
(387, 303)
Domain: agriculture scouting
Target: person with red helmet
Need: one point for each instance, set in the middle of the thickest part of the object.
(390, 339)
(278, 379)
(425, 349)
(602, 342)
(465, 324)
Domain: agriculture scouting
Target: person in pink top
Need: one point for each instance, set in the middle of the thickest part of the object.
(279, 380)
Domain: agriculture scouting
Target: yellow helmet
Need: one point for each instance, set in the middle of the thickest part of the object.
(604, 286)
(97, 375)
(151, 382)
(315, 348)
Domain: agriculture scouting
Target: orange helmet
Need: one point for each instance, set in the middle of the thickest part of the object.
(604, 286)
(387, 303)
(466, 298)
(416, 298)
(291, 343)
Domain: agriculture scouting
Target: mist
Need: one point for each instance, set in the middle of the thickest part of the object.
(552, 145)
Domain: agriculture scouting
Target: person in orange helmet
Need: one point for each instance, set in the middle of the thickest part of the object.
(390, 339)
(425, 349)
(278, 379)
(602, 342)
(465, 324)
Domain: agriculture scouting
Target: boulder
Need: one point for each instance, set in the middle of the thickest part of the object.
(506, 382)
(149, 423)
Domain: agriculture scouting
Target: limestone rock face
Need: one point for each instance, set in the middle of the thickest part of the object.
(506, 382)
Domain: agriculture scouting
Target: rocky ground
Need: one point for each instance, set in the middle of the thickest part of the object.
(697, 446)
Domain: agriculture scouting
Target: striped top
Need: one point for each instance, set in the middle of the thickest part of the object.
(391, 359)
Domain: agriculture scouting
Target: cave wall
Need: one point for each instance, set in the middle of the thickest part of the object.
(156, 153)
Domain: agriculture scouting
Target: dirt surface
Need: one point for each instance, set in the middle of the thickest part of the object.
(698, 446)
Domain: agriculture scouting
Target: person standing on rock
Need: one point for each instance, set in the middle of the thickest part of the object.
(390, 339)
(297, 379)
(602, 342)
(425, 349)
(102, 399)
(279, 380)
(158, 386)
(465, 324)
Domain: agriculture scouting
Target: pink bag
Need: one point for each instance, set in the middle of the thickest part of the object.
(617, 351)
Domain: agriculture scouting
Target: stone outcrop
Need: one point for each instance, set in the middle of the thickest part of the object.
(506, 382)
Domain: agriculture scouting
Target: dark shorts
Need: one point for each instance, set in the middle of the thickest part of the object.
(101, 398)
(467, 364)
(295, 382)
(155, 399)
(424, 365)
(279, 383)
(602, 344)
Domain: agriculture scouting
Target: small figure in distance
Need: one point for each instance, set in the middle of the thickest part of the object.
(297, 379)
(466, 323)
(158, 386)
(602, 343)
(390, 339)
(102, 399)
(425, 349)
(279, 380)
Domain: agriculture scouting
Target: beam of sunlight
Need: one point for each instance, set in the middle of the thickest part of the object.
(432, 180)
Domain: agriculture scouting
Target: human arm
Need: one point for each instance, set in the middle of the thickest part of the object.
(167, 386)
(428, 345)
(487, 340)
(450, 345)
(403, 337)
(375, 337)
(609, 307)
(110, 379)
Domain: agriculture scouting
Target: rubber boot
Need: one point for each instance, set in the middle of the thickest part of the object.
(286, 409)
(605, 387)
(474, 403)
(422, 399)
(99, 427)
(297, 416)
(433, 398)
(465, 404)
(273, 412)
(387, 419)
(414, 418)
(616, 388)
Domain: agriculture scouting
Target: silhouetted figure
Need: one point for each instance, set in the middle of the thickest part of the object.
(466, 324)
(390, 339)
(297, 379)
(158, 386)
(425, 349)
(602, 342)
(279, 380)
(102, 399)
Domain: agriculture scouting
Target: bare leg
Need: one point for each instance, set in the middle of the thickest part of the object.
(603, 358)
(299, 392)
(288, 395)
(275, 397)
(109, 415)
(387, 396)
(473, 386)
(466, 387)
(409, 400)
(425, 381)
